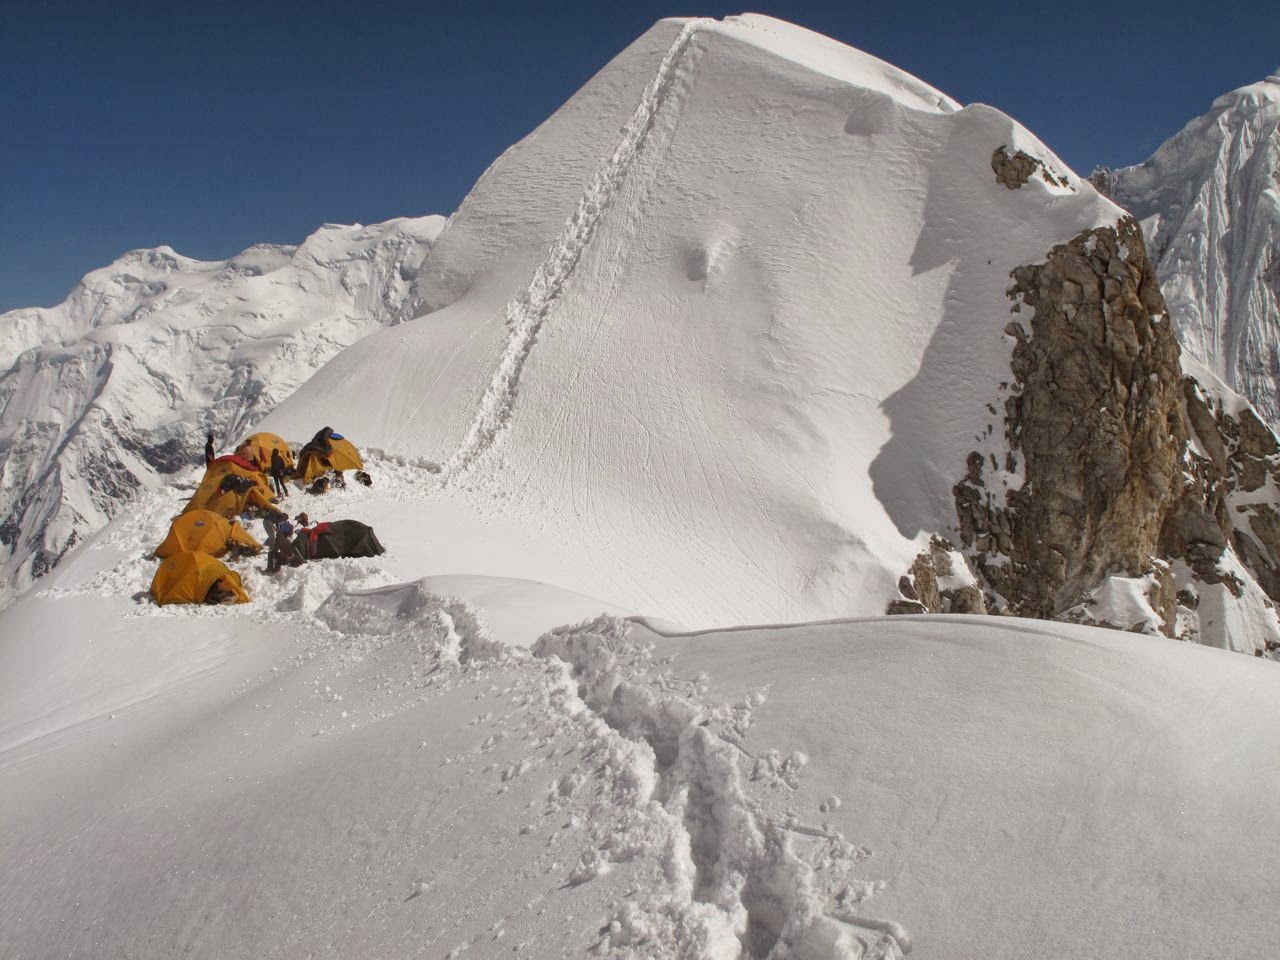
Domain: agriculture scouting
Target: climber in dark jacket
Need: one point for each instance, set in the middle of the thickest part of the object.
(277, 474)
(208, 450)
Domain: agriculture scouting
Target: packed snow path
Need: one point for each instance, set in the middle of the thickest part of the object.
(525, 313)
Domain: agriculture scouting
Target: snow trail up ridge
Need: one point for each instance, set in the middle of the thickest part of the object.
(525, 313)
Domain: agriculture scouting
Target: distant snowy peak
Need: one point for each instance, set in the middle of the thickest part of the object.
(104, 392)
(144, 281)
(1209, 203)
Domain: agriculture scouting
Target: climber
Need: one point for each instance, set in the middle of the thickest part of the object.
(281, 544)
(277, 474)
(208, 450)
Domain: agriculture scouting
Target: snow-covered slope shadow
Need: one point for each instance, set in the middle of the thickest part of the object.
(973, 232)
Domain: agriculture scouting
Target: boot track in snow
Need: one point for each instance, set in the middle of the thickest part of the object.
(526, 312)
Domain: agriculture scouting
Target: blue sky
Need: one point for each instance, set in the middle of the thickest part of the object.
(208, 128)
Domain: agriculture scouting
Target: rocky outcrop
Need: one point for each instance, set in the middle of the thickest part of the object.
(1016, 169)
(1130, 470)
(1234, 474)
(939, 581)
(1093, 420)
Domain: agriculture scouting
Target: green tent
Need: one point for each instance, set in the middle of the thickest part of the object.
(341, 538)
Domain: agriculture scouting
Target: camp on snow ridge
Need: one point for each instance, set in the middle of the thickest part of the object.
(237, 485)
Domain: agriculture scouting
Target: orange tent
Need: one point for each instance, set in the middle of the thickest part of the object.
(187, 577)
(213, 494)
(207, 532)
(344, 456)
(258, 447)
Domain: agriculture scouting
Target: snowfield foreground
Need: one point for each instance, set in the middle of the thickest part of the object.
(355, 766)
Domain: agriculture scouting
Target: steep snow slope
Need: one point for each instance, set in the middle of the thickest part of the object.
(105, 393)
(1209, 202)
(353, 766)
(766, 315)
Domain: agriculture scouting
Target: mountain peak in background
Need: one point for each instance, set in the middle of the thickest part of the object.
(1209, 203)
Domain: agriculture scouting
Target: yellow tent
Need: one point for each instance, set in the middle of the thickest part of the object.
(207, 532)
(186, 577)
(213, 495)
(258, 447)
(344, 456)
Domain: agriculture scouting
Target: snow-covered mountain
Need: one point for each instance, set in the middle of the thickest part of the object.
(764, 303)
(737, 336)
(1209, 203)
(112, 391)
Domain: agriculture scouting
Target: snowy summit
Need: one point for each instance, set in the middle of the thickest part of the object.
(755, 339)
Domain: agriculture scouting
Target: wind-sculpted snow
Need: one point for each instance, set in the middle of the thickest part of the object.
(104, 395)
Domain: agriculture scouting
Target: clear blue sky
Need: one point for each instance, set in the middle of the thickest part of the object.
(209, 127)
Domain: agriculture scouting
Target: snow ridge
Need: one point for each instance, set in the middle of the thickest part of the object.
(666, 785)
(526, 312)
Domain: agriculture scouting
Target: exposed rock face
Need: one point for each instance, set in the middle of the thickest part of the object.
(940, 581)
(1236, 489)
(1013, 171)
(1094, 419)
(1129, 467)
